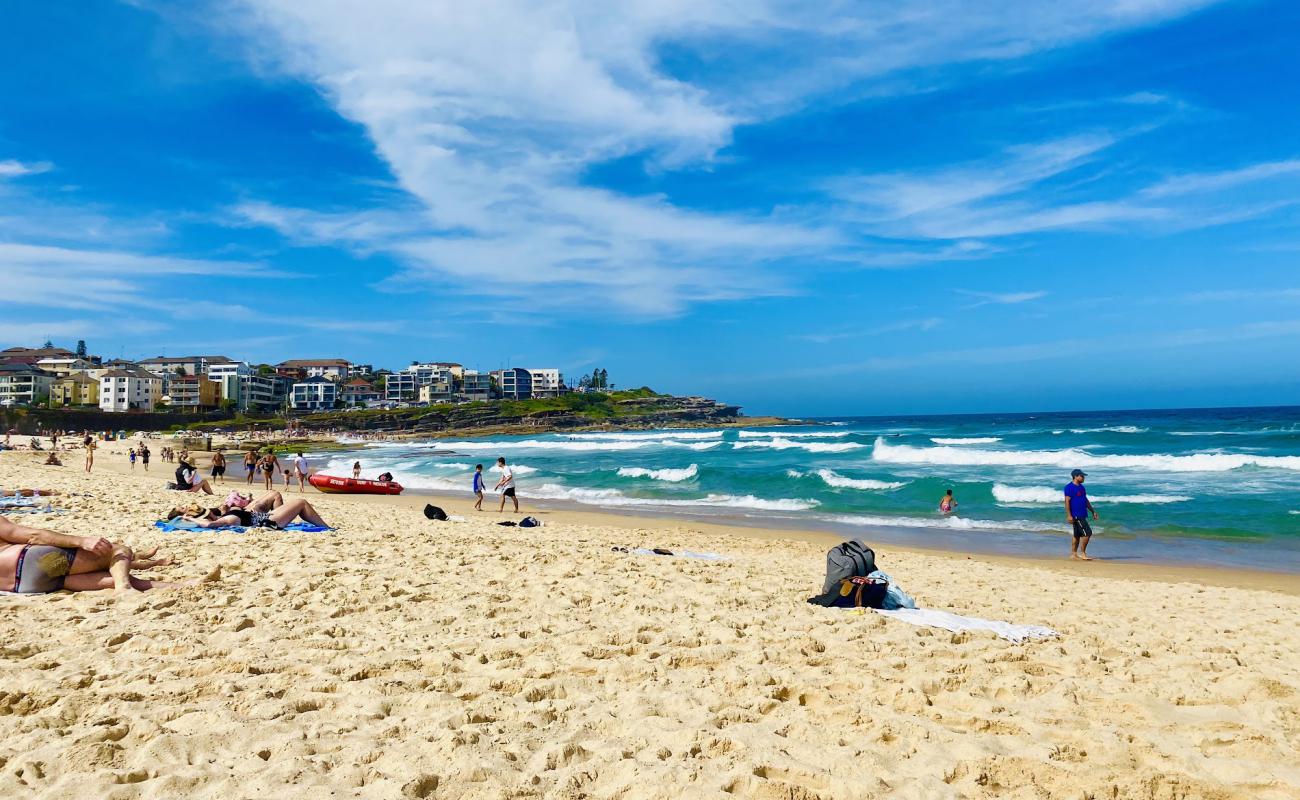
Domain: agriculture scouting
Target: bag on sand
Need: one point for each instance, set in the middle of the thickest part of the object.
(846, 561)
(530, 522)
(861, 592)
(433, 512)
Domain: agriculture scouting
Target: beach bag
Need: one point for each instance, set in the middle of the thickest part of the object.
(861, 592)
(846, 561)
(530, 522)
(852, 559)
(433, 512)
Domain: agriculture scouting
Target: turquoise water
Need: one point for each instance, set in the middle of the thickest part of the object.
(1197, 486)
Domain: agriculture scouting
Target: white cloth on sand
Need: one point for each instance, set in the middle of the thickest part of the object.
(956, 623)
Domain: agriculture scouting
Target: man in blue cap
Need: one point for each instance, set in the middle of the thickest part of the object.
(1077, 508)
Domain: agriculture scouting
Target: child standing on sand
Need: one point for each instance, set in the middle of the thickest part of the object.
(131, 455)
(478, 487)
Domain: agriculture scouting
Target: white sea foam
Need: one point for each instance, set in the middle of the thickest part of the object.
(1110, 429)
(794, 434)
(1046, 494)
(636, 437)
(613, 497)
(1066, 459)
(966, 440)
(832, 478)
(782, 443)
(949, 523)
(579, 446)
(668, 474)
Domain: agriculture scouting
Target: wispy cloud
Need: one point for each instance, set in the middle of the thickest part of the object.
(62, 277)
(840, 334)
(1217, 181)
(490, 118)
(10, 168)
(1001, 298)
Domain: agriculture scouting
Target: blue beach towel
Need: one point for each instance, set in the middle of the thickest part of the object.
(190, 527)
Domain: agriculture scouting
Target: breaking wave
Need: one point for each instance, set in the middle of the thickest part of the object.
(950, 523)
(613, 497)
(966, 440)
(1045, 494)
(670, 475)
(832, 478)
(795, 434)
(1066, 459)
(781, 443)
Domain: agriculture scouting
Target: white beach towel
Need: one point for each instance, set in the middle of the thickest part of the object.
(929, 617)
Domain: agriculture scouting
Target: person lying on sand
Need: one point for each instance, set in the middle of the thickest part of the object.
(35, 561)
(286, 513)
(267, 502)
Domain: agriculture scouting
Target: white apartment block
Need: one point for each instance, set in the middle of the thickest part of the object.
(404, 385)
(21, 384)
(314, 394)
(129, 390)
(546, 382)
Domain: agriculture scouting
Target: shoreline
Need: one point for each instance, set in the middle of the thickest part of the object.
(638, 519)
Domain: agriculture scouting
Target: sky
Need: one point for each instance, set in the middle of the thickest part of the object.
(806, 209)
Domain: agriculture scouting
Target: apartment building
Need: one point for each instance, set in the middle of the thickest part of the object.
(546, 382)
(64, 366)
(336, 369)
(194, 393)
(314, 394)
(475, 385)
(77, 389)
(515, 383)
(189, 365)
(23, 384)
(404, 385)
(357, 392)
(129, 390)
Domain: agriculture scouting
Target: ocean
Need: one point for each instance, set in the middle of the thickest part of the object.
(1207, 487)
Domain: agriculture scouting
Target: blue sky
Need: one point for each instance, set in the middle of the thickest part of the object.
(865, 207)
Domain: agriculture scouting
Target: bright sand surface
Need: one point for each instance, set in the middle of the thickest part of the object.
(399, 657)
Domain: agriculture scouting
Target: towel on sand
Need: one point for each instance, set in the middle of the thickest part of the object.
(190, 527)
(929, 617)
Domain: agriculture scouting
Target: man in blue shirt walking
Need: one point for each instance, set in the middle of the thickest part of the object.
(1077, 508)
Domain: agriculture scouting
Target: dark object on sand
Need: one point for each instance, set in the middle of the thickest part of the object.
(845, 562)
(433, 512)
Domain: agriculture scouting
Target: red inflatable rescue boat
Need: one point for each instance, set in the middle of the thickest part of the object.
(332, 485)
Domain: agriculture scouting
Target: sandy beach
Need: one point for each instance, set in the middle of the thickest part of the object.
(398, 657)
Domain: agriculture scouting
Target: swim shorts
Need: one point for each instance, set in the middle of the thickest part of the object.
(1081, 527)
(510, 492)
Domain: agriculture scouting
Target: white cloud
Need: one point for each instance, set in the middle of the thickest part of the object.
(490, 113)
(62, 277)
(1217, 181)
(10, 168)
(1002, 298)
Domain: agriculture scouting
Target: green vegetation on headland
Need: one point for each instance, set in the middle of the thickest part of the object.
(622, 410)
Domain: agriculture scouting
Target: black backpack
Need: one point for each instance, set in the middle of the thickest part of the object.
(433, 512)
(852, 559)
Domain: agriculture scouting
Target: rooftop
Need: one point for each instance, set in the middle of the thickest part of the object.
(314, 362)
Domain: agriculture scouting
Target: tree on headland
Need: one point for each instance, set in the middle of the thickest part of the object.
(48, 344)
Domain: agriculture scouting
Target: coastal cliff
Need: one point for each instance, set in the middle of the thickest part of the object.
(623, 410)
